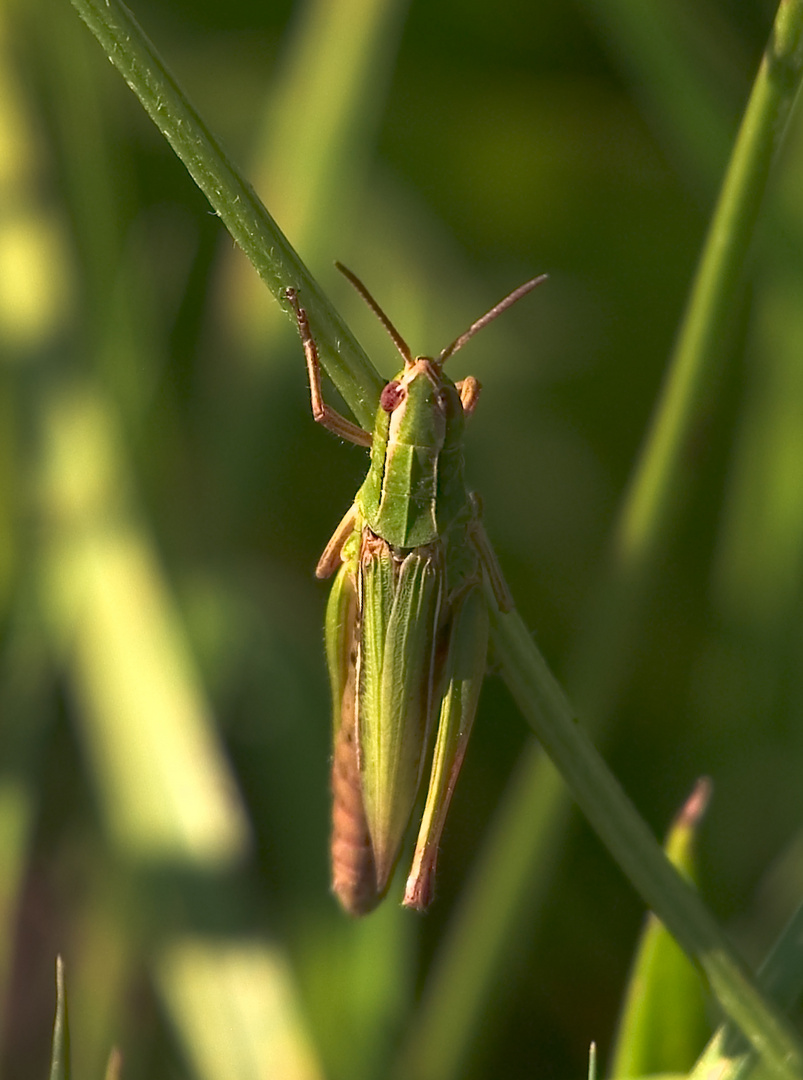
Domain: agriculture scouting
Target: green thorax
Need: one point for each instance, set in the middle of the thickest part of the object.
(415, 490)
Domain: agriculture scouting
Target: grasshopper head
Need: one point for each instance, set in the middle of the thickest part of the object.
(423, 405)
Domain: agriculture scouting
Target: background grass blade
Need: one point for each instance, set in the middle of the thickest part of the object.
(781, 976)
(60, 1058)
(628, 839)
(646, 524)
(445, 158)
(663, 1018)
(232, 198)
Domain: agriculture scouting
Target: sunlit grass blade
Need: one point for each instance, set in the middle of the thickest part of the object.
(703, 329)
(60, 1055)
(663, 1021)
(166, 794)
(728, 1053)
(627, 837)
(114, 1066)
(143, 712)
(233, 1006)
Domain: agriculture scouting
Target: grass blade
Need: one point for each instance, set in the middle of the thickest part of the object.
(458, 992)
(231, 196)
(663, 1023)
(60, 1057)
(611, 814)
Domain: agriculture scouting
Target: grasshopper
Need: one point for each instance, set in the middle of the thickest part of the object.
(407, 622)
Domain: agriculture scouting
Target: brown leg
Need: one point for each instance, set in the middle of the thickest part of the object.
(331, 558)
(469, 390)
(321, 412)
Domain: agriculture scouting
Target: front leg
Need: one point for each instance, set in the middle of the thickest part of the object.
(469, 391)
(321, 412)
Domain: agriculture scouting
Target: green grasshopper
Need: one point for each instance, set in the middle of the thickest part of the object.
(407, 621)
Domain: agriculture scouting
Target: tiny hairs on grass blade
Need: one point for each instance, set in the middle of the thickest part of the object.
(408, 616)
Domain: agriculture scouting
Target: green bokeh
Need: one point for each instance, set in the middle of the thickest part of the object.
(150, 387)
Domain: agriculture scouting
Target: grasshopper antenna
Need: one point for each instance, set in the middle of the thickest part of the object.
(489, 316)
(398, 340)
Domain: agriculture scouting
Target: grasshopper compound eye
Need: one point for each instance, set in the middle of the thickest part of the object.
(392, 396)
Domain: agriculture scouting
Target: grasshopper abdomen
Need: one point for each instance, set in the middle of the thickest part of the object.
(352, 855)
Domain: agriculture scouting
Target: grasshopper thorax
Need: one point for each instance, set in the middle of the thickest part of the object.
(419, 421)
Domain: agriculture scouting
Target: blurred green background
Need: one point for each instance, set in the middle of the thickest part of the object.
(164, 497)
